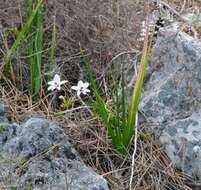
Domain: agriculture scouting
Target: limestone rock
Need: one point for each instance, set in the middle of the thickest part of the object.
(2, 112)
(171, 100)
(1, 108)
(37, 153)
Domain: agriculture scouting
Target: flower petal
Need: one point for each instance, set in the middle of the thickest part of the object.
(78, 93)
(87, 90)
(80, 84)
(63, 82)
(50, 88)
(85, 85)
(58, 87)
(56, 78)
(75, 88)
(51, 82)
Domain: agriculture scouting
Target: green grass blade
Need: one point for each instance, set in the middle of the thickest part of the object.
(104, 111)
(123, 103)
(137, 92)
(38, 50)
(29, 9)
(52, 50)
(110, 118)
(21, 35)
(119, 129)
(116, 121)
(31, 61)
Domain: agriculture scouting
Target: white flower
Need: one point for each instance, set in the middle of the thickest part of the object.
(81, 88)
(56, 83)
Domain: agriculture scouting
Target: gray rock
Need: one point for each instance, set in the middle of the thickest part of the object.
(2, 112)
(37, 153)
(171, 100)
(1, 108)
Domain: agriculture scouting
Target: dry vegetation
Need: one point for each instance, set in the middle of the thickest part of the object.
(106, 28)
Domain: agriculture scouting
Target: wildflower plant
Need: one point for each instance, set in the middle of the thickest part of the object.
(81, 88)
(35, 48)
(120, 123)
(67, 102)
(56, 83)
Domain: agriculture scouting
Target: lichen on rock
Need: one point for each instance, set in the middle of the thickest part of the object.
(38, 153)
(171, 100)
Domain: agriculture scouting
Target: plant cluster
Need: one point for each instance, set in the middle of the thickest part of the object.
(119, 120)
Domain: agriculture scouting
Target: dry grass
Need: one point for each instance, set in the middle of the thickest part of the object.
(19, 105)
(106, 28)
(153, 169)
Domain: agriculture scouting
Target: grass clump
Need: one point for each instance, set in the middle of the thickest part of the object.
(120, 123)
(35, 47)
(31, 38)
(22, 34)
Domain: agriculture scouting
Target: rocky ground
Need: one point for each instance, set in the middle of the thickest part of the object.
(171, 99)
(72, 151)
(36, 154)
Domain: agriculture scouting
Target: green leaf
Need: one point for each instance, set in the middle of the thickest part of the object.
(21, 35)
(137, 92)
